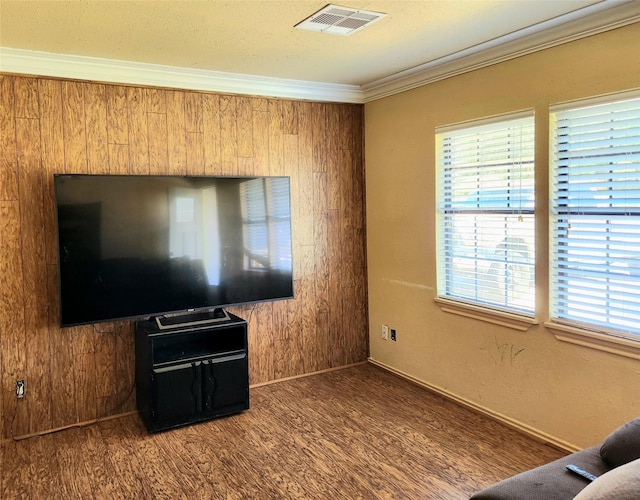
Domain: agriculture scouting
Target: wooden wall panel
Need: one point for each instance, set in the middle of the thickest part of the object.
(119, 159)
(319, 128)
(228, 136)
(26, 95)
(321, 242)
(124, 371)
(96, 119)
(244, 125)
(52, 126)
(52, 152)
(31, 192)
(74, 128)
(117, 126)
(177, 138)
(38, 368)
(276, 138)
(260, 141)
(137, 102)
(211, 132)
(195, 153)
(158, 147)
(8, 165)
(309, 344)
(62, 374)
(333, 153)
(85, 375)
(193, 111)
(12, 325)
(36, 226)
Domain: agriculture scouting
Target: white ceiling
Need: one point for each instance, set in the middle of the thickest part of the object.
(248, 41)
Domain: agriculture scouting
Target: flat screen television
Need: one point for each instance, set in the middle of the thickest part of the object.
(134, 246)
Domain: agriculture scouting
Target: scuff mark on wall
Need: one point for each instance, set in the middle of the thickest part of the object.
(409, 284)
(500, 353)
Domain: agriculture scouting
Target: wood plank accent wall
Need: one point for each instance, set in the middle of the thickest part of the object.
(57, 126)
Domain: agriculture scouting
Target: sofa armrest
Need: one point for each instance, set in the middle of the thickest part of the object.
(551, 481)
(622, 445)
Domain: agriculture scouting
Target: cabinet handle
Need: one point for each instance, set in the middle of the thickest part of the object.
(197, 383)
(209, 387)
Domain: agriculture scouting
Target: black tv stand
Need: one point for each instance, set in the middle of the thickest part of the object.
(191, 318)
(191, 372)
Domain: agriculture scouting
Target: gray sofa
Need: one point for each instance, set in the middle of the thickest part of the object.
(553, 481)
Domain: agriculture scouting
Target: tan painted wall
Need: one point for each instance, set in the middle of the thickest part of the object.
(575, 395)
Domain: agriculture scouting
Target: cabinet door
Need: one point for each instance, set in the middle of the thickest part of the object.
(226, 387)
(177, 393)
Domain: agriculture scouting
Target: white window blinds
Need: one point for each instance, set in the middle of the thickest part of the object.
(485, 207)
(595, 216)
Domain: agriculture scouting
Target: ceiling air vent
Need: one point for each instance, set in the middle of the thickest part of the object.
(339, 20)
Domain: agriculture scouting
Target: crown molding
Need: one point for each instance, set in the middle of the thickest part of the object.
(598, 18)
(30, 62)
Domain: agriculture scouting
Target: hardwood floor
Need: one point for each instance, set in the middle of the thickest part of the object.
(359, 432)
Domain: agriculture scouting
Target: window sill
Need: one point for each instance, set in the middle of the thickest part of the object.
(596, 340)
(510, 320)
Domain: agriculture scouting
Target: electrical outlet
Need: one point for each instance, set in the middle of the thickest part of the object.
(19, 389)
(393, 334)
(385, 332)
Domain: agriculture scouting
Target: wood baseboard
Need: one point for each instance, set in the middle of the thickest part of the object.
(327, 370)
(64, 427)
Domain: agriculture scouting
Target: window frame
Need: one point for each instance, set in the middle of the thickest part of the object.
(503, 315)
(593, 335)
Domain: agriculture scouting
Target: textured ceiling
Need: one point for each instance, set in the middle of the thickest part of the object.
(258, 37)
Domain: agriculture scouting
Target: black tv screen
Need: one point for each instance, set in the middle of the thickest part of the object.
(141, 246)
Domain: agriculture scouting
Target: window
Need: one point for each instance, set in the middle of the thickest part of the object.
(485, 207)
(595, 216)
